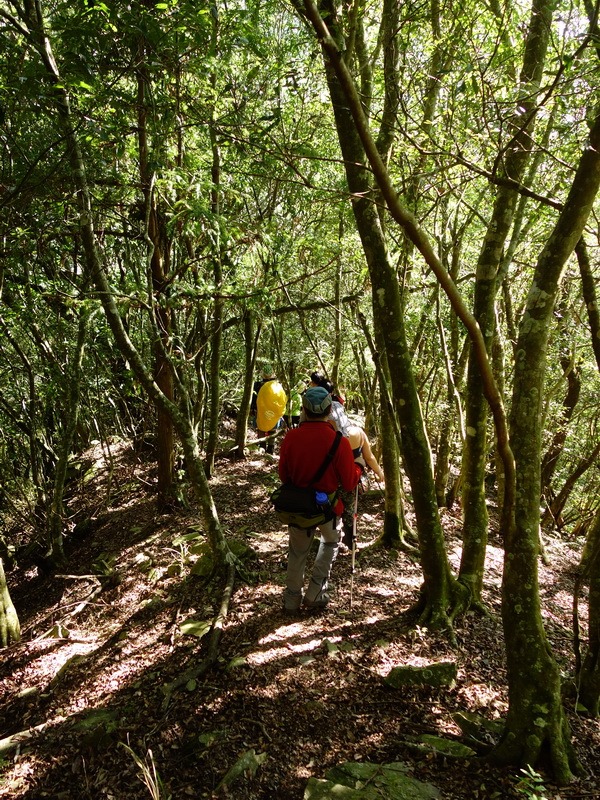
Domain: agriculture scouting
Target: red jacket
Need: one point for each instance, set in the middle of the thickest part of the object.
(302, 452)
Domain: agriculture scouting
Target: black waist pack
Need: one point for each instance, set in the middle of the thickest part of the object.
(299, 506)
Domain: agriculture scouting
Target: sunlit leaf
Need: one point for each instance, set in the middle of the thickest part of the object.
(193, 627)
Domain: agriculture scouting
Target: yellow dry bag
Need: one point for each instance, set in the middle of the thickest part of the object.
(270, 405)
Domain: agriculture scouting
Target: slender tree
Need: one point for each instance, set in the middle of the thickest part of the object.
(536, 722)
(512, 163)
(158, 254)
(441, 592)
(71, 409)
(588, 670)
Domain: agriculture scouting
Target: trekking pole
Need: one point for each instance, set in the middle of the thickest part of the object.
(354, 517)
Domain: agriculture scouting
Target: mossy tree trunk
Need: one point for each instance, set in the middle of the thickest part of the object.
(10, 628)
(588, 285)
(588, 677)
(475, 452)
(536, 729)
(214, 383)
(395, 527)
(442, 595)
(452, 415)
(572, 375)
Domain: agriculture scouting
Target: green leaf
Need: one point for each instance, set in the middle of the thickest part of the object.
(185, 537)
(202, 567)
(194, 627)
(237, 661)
(57, 632)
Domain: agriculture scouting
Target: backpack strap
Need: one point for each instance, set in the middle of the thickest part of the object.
(328, 458)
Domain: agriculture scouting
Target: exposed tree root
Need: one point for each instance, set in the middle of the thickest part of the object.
(439, 613)
(475, 603)
(402, 545)
(15, 740)
(546, 747)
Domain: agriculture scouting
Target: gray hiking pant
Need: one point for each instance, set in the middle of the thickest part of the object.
(300, 540)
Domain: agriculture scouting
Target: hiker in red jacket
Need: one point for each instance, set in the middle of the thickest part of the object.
(303, 450)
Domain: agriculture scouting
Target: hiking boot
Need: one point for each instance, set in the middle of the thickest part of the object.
(292, 601)
(320, 602)
(292, 612)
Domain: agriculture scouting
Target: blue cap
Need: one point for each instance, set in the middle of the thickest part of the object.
(316, 400)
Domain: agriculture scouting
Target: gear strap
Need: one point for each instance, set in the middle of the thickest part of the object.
(328, 458)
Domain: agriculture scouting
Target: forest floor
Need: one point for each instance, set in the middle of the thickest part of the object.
(290, 697)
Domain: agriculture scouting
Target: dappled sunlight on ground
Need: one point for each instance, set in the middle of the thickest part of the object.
(307, 692)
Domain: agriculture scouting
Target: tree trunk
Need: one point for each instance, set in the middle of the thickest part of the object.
(214, 384)
(440, 588)
(251, 336)
(219, 255)
(550, 459)
(395, 526)
(498, 361)
(10, 628)
(337, 320)
(588, 285)
(365, 386)
(475, 455)
(588, 676)
(555, 508)
(35, 457)
(158, 248)
(165, 445)
(536, 726)
(451, 413)
(71, 415)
